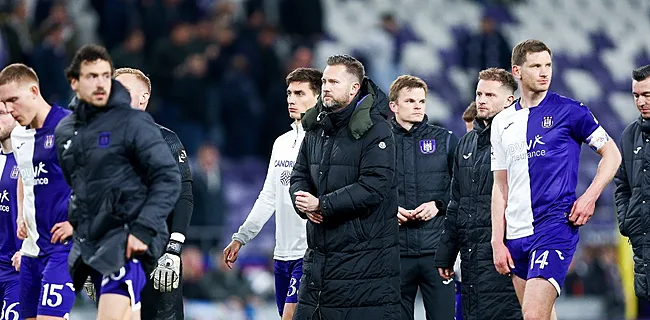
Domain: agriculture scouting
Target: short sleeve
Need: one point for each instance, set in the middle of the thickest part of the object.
(498, 153)
(586, 129)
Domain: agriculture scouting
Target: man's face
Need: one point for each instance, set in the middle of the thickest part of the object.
(94, 83)
(641, 92)
(339, 87)
(19, 100)
(300, 98)
(138, 90)
(410, 105)
(536, 72)
(491, 98)
(7, 123)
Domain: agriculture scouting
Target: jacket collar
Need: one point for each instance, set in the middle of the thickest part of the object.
(119, 98)
(370, 100)
(417, 127)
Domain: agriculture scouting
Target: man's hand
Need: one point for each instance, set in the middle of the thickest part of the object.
(582, 210)
(306, 202)
(231, 252)
(403, 215)
(315, 217)
(425, 211)
(21, 233)
(61, 231)
(134, 246)
(89, 287)
(15, 260)
(167, 275)
(446, 273)
(502, 258)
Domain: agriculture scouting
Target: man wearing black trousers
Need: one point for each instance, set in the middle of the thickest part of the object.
(424, 158)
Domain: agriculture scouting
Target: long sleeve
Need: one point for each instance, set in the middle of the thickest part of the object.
(623, 191)
(449, 242)
(376, 176)
(164, 179)
(185, 204)
(262, 209)
(300, 180)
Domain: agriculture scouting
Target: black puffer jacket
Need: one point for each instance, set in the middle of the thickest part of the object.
(425, 154)
(124, 181)
(347, 159)
(632, 197)
(468, 228)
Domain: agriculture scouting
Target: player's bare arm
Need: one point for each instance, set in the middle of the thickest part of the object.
(609, 163)
(502, 259)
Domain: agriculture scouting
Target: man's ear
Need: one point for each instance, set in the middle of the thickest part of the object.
(393, 106)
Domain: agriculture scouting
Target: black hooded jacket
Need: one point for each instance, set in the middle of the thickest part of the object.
(468, 229)
(124, 181)
(347, 160)
(632, 198)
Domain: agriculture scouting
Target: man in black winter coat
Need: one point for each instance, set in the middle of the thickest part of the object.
(632, 195)
(424, 160)
(486, 294)
(344, 183)
(124, 181)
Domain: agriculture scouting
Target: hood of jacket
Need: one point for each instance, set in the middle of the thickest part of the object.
(369, 100)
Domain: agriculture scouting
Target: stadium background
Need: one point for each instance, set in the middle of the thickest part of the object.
(218, 69)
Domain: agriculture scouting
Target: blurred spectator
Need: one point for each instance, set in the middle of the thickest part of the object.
(302, 20)
(209, 202)
(488, 48)
(216, 285)
(131, 52)
(49, 60)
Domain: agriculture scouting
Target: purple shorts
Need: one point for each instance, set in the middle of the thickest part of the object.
(545, 256)
(10, 291)
(128, 281)
(287, 282)
(45, 286)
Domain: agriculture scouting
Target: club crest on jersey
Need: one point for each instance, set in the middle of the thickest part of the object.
(428, 146)
(49, 141)
(14, 172)
(547, 122)
(104, 139)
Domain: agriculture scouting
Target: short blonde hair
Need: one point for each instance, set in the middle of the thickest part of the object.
(137, 73)
(17, 72)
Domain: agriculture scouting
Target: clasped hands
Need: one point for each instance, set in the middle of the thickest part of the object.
(309, 205)
(424, 212)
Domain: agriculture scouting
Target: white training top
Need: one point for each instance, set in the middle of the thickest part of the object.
(290, 228)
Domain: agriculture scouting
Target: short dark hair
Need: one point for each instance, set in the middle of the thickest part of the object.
(470, 113)
(352, 65)
(405, 81)
(87, 53)
(522, 49)
(501, 75)
(17, 72)
(312, 76)
(641, 73)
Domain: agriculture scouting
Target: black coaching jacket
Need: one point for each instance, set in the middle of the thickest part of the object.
(124, 181)
(468, 229)
(425, 154)
(632, 198)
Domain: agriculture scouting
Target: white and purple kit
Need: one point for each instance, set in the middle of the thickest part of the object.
(9, 243)
(45, 284)
(539, 147)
